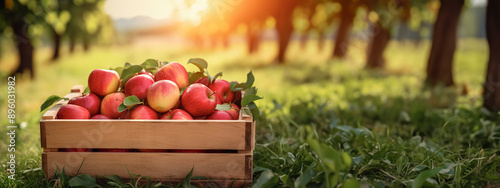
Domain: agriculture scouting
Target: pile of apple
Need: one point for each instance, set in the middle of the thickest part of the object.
(156, 90)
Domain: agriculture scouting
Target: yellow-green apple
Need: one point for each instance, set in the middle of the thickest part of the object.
(163, 95)
(177, 114)
(198, 100)
(110, 104)
(222, 91)
(115, 150)
(103, 82)
(100, 116)
(143, 112)
(220, 115)
(175, 72)
(203, 80)
(89, 101)
(76, 150)
(234, 111)
(71, 111)
(138, 86)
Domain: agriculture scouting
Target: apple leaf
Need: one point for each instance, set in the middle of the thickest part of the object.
(86, 90)
(199, 62)
(129, 73)
(251, 91)
(163, 63)
(127, 65)
(235, 86)
(250, 79)
(131, 100)
(195, 76)
(247, 99)
(119, 70)
(151, 62)
(223, 107)
(212, 79)
(50, 101)
(152, 70)
(122, 108)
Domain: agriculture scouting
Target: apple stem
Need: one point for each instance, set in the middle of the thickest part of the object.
(212, 94)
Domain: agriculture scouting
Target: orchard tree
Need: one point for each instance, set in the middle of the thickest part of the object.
(444, 36)
(347, 14)
(492, 84)
(20, 16)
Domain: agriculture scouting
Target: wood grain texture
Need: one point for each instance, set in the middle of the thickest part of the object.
(147, 134)
(164, 166)
(42, 135)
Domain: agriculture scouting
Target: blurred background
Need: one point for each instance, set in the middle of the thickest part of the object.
(409, 66)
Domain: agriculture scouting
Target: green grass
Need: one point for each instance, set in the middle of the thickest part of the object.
(324, 122)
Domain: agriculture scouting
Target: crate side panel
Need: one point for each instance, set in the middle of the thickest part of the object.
(165, 166)
(226, 135)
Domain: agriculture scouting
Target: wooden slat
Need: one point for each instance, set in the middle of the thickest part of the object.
(42, 134)
(76, 91)
(147, 134)
(165, 166)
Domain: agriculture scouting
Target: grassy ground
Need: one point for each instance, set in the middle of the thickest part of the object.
(323, 122)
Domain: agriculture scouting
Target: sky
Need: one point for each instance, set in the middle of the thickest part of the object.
(157, 9)
(166, 9)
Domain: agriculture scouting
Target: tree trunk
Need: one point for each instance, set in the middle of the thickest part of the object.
(491, 94)
(377, 45)
(86, 43)
(253, 35)
(24, 47)
(440, 64)
(72, 41)
(57, 45)
(346, 19)
(284, 27)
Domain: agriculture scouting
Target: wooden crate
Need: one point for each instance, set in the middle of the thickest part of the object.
(230, 163)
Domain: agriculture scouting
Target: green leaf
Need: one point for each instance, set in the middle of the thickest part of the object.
(422, 177)
(187, 180)
(254, 110)
(122, 108)
(86, 90)
(250, 79)
(212, 79)
(251, 91)
(234, 86)
(119, 70)
(305, 177)
(50, 101)
(352, 182)
(247, 99)
(199, 62)
(195, 76)
(127, 65)
(129, 102)
(223, 107)
(116, 181)
(151, 63)
(266, 179)
(84, 180)
(163, 63)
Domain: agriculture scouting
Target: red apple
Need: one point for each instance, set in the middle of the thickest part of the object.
(153, 150)
(103, 82)
(89, 101)
(222, 91)
(100, 116)
(234, 111)
(71, 111)
(143, 72)
(203, 80)
(198, 100)
(143, 112)
(110, 104)
(76, 150)
(163, 95)
(200, 118)
(138, 86)
(177, 114)
(220, 115)
(175, 72)
(115, 150)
